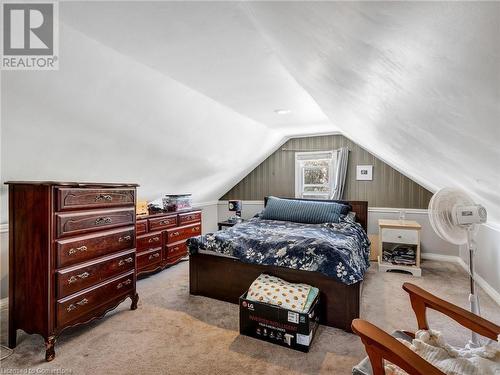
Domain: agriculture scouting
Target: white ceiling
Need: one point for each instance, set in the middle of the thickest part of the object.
(185, 93)
(211, 47)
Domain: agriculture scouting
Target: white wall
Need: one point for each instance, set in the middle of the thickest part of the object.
(209, 216)
(487, 258)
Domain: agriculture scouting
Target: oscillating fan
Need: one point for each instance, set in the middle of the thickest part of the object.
(455, 218)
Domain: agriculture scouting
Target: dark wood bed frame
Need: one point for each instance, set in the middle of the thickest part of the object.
(226, 279)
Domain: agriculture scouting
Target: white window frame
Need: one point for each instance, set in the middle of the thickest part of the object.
(300, 158)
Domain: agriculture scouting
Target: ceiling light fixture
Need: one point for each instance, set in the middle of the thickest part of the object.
(282, 111)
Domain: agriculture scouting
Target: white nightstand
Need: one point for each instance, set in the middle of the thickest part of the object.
(397, 235)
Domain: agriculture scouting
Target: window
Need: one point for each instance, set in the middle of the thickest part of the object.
(314, 174)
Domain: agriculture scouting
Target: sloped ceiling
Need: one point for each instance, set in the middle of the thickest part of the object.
(181, 96)
(416, 83)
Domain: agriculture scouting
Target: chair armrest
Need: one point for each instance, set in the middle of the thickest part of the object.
(421, 300)
(380, 345)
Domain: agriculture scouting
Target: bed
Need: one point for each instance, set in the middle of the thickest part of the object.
(225, 274)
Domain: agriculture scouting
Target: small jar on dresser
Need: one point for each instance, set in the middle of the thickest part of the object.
(399, 246)
(161, 238)
(71, 255)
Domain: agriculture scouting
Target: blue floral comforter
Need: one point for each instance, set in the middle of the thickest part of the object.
(339, 250)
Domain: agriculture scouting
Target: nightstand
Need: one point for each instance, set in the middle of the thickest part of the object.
(399, 246)
(227, 223)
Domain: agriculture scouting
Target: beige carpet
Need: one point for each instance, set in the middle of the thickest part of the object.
(174, 333)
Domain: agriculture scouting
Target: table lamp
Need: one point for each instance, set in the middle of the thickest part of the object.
(235, 206)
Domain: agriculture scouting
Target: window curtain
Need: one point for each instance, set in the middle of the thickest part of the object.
(341, 172)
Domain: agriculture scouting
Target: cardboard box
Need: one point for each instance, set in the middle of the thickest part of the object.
(374, 253)
(278, 325)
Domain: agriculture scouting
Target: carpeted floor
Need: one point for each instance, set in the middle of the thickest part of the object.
(174, 333)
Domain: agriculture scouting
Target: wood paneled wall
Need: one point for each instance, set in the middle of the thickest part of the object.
(276, 176)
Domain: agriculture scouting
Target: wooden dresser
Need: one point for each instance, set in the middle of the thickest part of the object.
(161, 238)
(71, 255)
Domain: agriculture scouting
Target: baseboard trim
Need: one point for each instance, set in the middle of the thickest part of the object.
(487, 288)
(440, 257)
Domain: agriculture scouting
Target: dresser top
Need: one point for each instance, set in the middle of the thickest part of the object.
(160, 214)
(74, 184)
(402, 224)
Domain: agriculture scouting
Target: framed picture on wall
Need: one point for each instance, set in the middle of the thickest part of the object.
(364, 172)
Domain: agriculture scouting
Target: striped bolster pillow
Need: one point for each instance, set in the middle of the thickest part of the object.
(308, 212)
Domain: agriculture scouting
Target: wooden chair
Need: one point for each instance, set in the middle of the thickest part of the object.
(380, 345)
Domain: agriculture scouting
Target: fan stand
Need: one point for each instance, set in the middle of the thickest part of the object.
(473, 297)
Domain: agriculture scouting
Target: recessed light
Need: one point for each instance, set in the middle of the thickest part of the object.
(282, 111)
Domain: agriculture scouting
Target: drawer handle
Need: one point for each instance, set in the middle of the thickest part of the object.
(124, 238)
(163, 222)
(126, 282)
(400, 236)
(82, 276)
(103, 197)
(195, 229)
(174, 249)
(175, 234)
(83, 302)
(154, 239)
(79, 303)
(155, 255)
(103, 220)
(123, 261)
(75, 250)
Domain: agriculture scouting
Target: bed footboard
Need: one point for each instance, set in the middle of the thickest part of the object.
(227, 279)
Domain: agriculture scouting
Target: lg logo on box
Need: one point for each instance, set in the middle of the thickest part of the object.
(30, 36)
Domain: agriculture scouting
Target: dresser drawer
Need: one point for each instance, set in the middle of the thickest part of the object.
(183, 233)
(149, 241)
(405, 236)
(81, 222)
(71, 280)
(164, 222)
(189, 217)
(72, 308)
(141, 227)
(149, 261)
(83, 248)
(75, 198)
(176, 250)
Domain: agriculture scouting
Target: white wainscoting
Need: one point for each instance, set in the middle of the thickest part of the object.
(250, 208)
(430, 241)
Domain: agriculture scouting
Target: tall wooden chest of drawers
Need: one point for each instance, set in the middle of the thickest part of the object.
(72, 255)
(161, 238)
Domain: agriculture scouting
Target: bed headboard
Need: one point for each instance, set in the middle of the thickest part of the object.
(360, 207)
